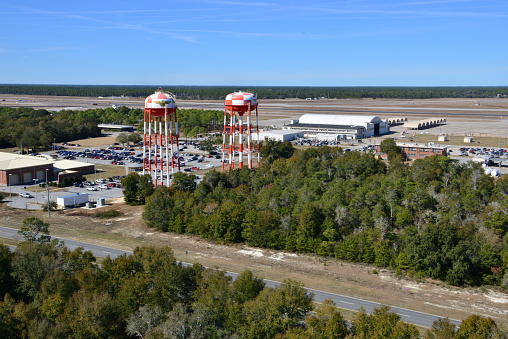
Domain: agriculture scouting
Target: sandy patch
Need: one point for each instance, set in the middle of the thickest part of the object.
(253, 253)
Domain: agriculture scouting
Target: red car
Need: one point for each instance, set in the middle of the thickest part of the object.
(111, 184)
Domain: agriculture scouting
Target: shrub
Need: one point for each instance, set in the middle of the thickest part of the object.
(107, 214)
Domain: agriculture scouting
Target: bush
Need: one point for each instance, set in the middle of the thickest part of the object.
(107, 214)
(52, 206)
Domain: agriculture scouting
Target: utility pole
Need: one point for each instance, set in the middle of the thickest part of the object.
(36, 200)
(47, 192)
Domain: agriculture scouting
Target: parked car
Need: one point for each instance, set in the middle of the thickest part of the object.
(111, 184)
(92, 188)
(26, 195)
(103, 187)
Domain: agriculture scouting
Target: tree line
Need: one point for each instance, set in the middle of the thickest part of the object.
(29, 128)
(263, 92)
(49, 291)
(434, 218)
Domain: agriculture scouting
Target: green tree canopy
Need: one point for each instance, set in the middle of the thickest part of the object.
(35, 230)
(136, 188)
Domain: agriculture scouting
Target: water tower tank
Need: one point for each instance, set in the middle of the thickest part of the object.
(240, 101)
(160, 103)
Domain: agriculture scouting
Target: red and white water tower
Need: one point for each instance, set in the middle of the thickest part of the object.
(236, 106)
(160, 137)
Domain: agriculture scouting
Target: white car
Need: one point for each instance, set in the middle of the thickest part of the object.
(92, 188)
(103, 187)
(26, 195)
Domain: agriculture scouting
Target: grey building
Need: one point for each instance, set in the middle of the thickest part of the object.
(340, 126)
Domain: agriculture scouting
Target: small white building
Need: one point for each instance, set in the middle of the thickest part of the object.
(280, 135)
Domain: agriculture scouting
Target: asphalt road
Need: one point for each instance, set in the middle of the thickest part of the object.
(345, 302)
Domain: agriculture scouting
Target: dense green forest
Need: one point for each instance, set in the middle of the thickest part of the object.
(434, 218)
(263, 92)
(38, 129)
(49, 291)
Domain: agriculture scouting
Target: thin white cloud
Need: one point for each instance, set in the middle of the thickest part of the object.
(149, 27)
(237, 3)
(60, 48)
(413, 13)
(418, 3)
(112, 24)
(274, 12)
(253, 34)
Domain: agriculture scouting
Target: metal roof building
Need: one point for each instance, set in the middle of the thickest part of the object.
(342, 126)
(123, 128)
(18, 169)
(425, 123)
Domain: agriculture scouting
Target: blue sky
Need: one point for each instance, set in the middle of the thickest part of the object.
(258, 43)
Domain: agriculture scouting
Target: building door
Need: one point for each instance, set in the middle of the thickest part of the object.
(27, 177)
(13, 179)
(40, 175)
(376, 129)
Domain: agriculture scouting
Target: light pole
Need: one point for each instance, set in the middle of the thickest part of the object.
(47, 192)
(99, 169)
(10, 187)
(35, 180)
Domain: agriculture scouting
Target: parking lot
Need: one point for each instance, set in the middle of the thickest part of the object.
(39, 196)
(192, 160)
(131, 158)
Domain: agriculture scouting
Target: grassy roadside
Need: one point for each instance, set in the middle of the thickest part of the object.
(127, 231)
(347, 314)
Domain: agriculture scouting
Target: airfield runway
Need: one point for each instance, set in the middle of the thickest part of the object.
(464, 116)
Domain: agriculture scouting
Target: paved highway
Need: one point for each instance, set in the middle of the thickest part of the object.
(349, 303)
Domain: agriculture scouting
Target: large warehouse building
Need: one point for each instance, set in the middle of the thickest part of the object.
(341, 127)
(18, 169)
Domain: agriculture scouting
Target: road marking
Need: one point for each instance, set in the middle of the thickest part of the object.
(346, 302)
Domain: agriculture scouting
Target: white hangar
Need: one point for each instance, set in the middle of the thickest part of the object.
(340, 126)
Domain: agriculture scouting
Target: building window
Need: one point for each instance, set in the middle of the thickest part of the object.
(423, 156)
